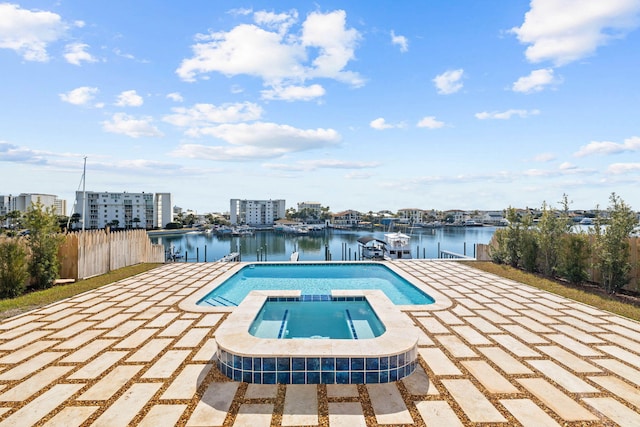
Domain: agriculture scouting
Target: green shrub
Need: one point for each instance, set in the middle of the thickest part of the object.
(528, 251)
(44, 242)
(574, 257)
(13, 268)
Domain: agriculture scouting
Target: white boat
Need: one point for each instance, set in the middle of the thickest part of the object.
(372, 248)
(397, 245)
(586, 221)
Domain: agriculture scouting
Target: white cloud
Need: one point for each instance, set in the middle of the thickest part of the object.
(544, 157)
(310, 165)
(80, 96)
(430, 122)
(535, 82)
(322, 49)
(623, 168)
(401, 41)
(201, 115)
(506, 115)
(294, 93)
(29, 32)
(381, 124)
(449, 81)
(175, 96)
(607, 147)
(75, 53)
(568, 30)
(125, 124)
(129, 98)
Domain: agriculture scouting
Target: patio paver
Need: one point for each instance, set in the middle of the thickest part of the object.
(501, 353)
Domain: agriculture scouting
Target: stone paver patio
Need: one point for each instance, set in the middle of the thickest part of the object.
(502, 353)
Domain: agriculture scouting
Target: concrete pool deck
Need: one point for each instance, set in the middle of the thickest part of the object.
(502, 353)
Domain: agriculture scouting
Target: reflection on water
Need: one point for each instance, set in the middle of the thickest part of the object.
(341, 244)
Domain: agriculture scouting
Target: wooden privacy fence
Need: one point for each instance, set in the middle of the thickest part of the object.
(90, 253)
(484, 254)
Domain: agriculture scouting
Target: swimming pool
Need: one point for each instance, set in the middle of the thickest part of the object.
(317, 317)
(315, 279)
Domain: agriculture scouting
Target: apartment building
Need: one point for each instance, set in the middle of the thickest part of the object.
(127, 210)
(23, 201)
(256, 212)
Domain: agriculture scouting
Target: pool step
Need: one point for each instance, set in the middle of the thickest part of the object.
(360, 329)
(218, 301)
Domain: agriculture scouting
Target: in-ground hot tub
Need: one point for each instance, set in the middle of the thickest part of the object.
(390, 356)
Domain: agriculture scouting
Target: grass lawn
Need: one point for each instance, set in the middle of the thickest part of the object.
(14, 306)
(591, 297)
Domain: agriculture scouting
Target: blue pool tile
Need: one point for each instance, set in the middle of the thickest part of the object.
(328, 363)
(269, 364)
(401, 359)
(257, 364)
(384, 363)
(237, 375)
(284, 364)
(247, 376)
(284, 377)
(313, 377)
(247, 363)
(313, 364)
(393, 362)
(342, 377)
(373, 363)
(298, 363)
(269, 378)
(298, 378)
(357, 364)
(372, 378)
(342, 364)
(357, 377)
(237, 361)
(257, 378)
(393, 375)
(384, 376)
(328, 377)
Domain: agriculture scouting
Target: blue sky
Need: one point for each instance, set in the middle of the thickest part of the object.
(354, 104)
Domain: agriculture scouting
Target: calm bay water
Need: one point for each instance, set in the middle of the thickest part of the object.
(342, 244)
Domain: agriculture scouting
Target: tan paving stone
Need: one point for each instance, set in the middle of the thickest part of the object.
(67, 321)
(254, 415)
(587, 327)
(41, 406)
(163, 415)
(418, 383)
(514, 345)
(563, 405)
(621, 353)
(614, 410)
(525, 335)
(111, 383)
(578, 334)
(388, 405)
(267, 391)
(106, 314)
(207, 352)
(72, 330)
(483, 325)
(18, 321)
(71, 416)
(438, 413)
(209, 320)
(448, 318)
(474, 404)
(167, 364)
(114, 321)
(569, 360)
(489, 377)
(504, 361)
(300, 405)
(21, 330)
(573, 345)
(23, 340)
(438, 362)
(455, 346)
(501, 309)
(124, 329)
(162, 320)
(88, 351)
(150, 313)
(27, 388)
(493, 316)
(27, 351)
(98, 365)
(620, 388)
(26, 368)
(346, 414)
(562, 377)
(78, 340)
(150, 350)
(528, 413)
(127, 406)
(471, 335)
(213, 406)
(622, 341)
(582, 315)
(136, 339)
(140, 307)
(617, 367)
(433, 326)
(192, 338)
(185, 384)
(60, 314)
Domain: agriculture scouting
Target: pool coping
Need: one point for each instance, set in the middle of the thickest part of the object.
(189, 304)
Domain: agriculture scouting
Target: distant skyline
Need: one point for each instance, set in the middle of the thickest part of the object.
(357, 105)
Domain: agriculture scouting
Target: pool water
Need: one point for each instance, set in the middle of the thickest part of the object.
(317, 317)
(315, 279)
